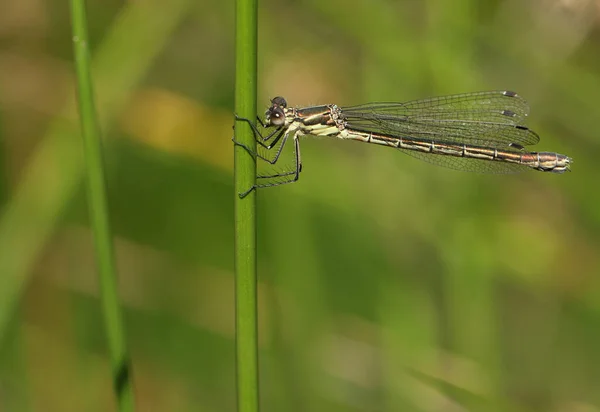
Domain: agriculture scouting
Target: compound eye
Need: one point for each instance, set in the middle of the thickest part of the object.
(277, 116)
(279, 101)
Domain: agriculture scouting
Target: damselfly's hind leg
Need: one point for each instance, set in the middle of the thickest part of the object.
(285, 177)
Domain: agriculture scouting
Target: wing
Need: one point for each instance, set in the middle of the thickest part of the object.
(492, 119)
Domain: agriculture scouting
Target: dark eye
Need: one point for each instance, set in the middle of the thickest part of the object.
(279, 101)
(277, 116)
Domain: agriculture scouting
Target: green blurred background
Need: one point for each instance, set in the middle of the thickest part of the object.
(386, 284)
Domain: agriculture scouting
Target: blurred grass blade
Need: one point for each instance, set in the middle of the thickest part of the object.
(55, 169)
(245, 209)
(97, 199)
(468, 399)
(12, 350)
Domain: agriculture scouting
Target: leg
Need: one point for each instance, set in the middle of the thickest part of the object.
(261, 122)
(269, 146)
(282, 133)
(274, 142)
(294, 173)
(255, 129)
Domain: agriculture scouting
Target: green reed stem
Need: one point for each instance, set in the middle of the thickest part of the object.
(245, 209)
(113, 322)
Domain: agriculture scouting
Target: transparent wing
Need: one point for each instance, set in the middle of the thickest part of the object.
(493, 119)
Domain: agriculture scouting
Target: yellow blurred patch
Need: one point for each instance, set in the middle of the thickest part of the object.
(176, 124)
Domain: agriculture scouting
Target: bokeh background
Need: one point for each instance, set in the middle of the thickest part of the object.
(386, 283)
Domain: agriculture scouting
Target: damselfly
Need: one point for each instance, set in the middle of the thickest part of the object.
(478, 132)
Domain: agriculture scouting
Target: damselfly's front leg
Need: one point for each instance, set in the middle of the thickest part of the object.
(257, 132)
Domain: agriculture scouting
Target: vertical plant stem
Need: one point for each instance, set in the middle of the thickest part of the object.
(129, 46)
(245, 210)
(105, 261)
